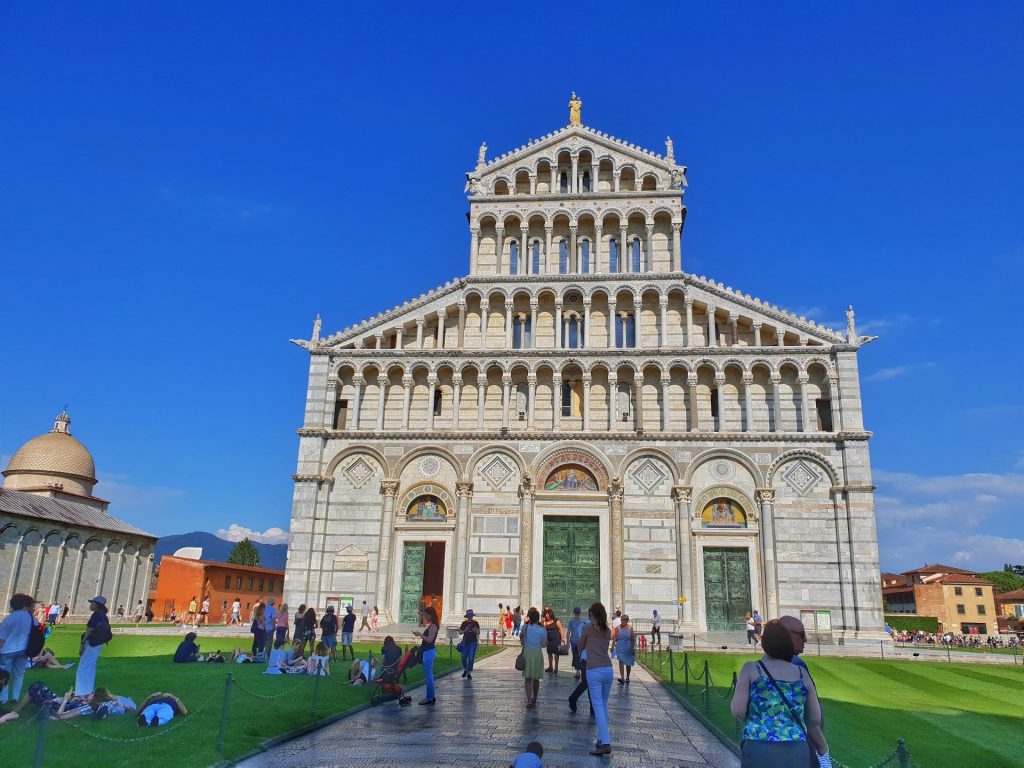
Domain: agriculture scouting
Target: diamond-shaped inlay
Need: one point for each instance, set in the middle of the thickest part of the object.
(358, 472)
(496, 472)
(802, 477)
(648, 475)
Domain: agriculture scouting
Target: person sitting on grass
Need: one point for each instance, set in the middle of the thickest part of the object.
(8, 717)
(363, 672)
(295, 653)
(46, 660)
(282, 661)
(84, 706)
(317, 664)
(187, 650)
(390, 652)
(159, 709)
(241, 656)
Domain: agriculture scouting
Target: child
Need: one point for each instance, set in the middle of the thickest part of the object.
(531, 757)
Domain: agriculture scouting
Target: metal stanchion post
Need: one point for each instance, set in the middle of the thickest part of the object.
(451, 645)
(949, 657)
(671, 668)
(224, 713)
(901, 753)
(881, 645)
(686, 674)
(707, 688)
(316, 685)
(41, 740)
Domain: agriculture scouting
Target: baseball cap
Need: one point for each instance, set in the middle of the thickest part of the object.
(99, 600)
(470, 614)
(575, 611)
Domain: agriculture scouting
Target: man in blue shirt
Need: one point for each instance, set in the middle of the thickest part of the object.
(576, 625)
(14, 635)
(269, 619)
(348, 625)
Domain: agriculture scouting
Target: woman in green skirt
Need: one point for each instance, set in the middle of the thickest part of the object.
(533, 637)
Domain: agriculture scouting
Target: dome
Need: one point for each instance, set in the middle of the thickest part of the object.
(54, 456)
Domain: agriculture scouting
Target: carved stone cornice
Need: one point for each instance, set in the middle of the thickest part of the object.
(305, 478)
(766, 438)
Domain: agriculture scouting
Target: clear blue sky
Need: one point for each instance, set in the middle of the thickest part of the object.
(182, 190)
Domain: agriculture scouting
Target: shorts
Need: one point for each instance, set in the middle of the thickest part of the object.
(346, 638)
(331, 641)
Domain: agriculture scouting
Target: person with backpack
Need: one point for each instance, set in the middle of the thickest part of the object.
(96, 635)
(329, 635)
(15, 632)
(348, 625)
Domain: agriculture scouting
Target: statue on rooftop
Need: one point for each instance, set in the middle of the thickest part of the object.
(575, 109)
(670, 153)
(481, 156)
(851, 329)
(316, 328)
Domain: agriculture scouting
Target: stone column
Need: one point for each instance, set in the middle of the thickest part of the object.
(506, 383)
(638, 306)
(835, 403)
(766, 498)
(388, 489)
(330, 404)
(552, 268)
(734, 329)
(460, 552)
(613, 399)
(648, 262)
(456, 398)
(595, 255)
(691, 381)
(357, 401)
(712, 328)
(484, 304)
(382, 387)
(616, 177)
(574, 180)
(58, 571)
(117, 574)
(533, 183)
(533, 323)
(720, 386)
(586, 324)
(406, 396)
(574, 256)
(19, 552)
(558, 323)
(527, 496)
(666, 379)
(103, 569)
(638, 388)
(508, 324)
(531, 380)
(681, 495)
(431, 389)
(132, 596)
(805, 412)
(748, 414)
(615, 494)
(625, 260)
(757, 334)
(474, 247)
(663, 333)
(780, 337)
(442, 315)
(379, 339)
(499, 253)
(75, 582)
(586, 401)
(556, 386)
(776, 380)
(462, 325)
(677, 248)
(689, 321)
(613, 313)
(481, 395)
(554, 186)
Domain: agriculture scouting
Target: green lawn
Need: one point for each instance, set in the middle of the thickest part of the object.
(137, 666)
(949, 714)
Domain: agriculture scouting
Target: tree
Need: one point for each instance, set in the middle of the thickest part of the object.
(1005, 581)
(245, 553)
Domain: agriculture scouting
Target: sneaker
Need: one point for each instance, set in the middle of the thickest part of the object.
(469, 676)
(601, 750)
(621, 681)
(464, 673)
(429, 702)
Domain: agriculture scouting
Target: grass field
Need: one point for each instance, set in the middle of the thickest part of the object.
(136, 666)
(949, 714)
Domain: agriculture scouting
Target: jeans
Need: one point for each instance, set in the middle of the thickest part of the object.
(279, 633)
(599, 681)
(468, 656)
(575, 695)
(85, 678)
(258, 637)
(428, 671)
(16, 663)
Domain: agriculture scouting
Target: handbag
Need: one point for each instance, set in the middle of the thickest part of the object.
(100, 635)
(563, 649)
(521, 661)
(461, 647)
(824, 761)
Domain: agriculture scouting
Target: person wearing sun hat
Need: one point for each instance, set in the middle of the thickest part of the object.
(470, 631)
(97, 633)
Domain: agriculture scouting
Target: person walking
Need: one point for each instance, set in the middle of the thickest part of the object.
(429, 637)
(595, 639)
(14, 635)
(799, 637)
(501, 620)
(533, 637)
(470, 631)
(54, 612)
(299, 617)
(751, 635)
(204, 611)
(140, 613)
(270, 622)
(97, 633)
(555, 637)
(508, 619)
(517, 620)
(624, 640)
(193, 612)
(348, 625)
(258, 629)
(758, 625)
(576, 625)
(236, 613)
(779, 706)
(374, 619)
(365, 613)
(656, 628)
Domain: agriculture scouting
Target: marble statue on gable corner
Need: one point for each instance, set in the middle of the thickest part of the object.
(575, 110)
(317, 325)
(481, 156)
(851, 329)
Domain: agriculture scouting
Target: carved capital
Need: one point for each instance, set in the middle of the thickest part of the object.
(509, 305)
(407, 381)
(534, 305)
(358, 379)
(650, 229)
(500, 230)
(666, 379)
(748, 379)
(531, 379)
(464, 490)
(457, 379)
(765, 495)
(691, 380)
(719, 379)
(389, 487)
(382, 381)
(506, 379)
(663, 301)
(682, 493)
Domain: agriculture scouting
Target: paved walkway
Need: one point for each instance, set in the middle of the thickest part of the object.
(484, 723)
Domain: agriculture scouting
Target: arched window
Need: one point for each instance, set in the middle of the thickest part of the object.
(536, 257)
(522, 333)
(437, 402)
(563, 182)
(625, 331)
(623, 406)
(613, 255)
(572, 398)
(522, 401)
(586, 181)
(636, 255)
(585, 257)
(563, 257)
(572, 332)
(513, 258)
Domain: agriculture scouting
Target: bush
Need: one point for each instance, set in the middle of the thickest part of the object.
(913, 623)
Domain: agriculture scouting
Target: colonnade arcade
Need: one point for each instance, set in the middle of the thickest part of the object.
(574, 173)
(787, 396)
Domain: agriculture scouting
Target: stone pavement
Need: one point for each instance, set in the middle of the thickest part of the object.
(484, 723)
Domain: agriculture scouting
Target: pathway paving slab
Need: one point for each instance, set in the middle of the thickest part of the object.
(484, 723)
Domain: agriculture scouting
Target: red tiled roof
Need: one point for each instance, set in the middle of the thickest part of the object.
(232, 566)
(938, 568)
(1016, 596)
(956, 578)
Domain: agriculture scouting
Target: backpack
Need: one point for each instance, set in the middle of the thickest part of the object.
(329, 624)
(100, 634)
(36, 639)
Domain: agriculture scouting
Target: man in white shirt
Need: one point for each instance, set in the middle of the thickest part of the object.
(140, 613)
(14, 632)
(236, 613)
(366, 616)
(53, 613)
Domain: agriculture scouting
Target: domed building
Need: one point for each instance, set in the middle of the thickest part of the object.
(57, 540)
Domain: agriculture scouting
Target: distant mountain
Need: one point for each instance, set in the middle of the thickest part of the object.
(218, 549)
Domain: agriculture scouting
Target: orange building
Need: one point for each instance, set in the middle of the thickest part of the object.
(180, 579)
(960, 601)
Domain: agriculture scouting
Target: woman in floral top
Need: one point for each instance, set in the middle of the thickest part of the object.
(778, 721)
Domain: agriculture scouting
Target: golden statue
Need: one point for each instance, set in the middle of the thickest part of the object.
(575, 106)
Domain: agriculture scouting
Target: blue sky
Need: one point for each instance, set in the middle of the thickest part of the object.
(182, 190)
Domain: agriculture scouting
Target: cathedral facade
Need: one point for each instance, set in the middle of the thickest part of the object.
(580, 419)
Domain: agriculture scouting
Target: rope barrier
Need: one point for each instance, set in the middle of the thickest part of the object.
(156, 734)
(267, 697)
